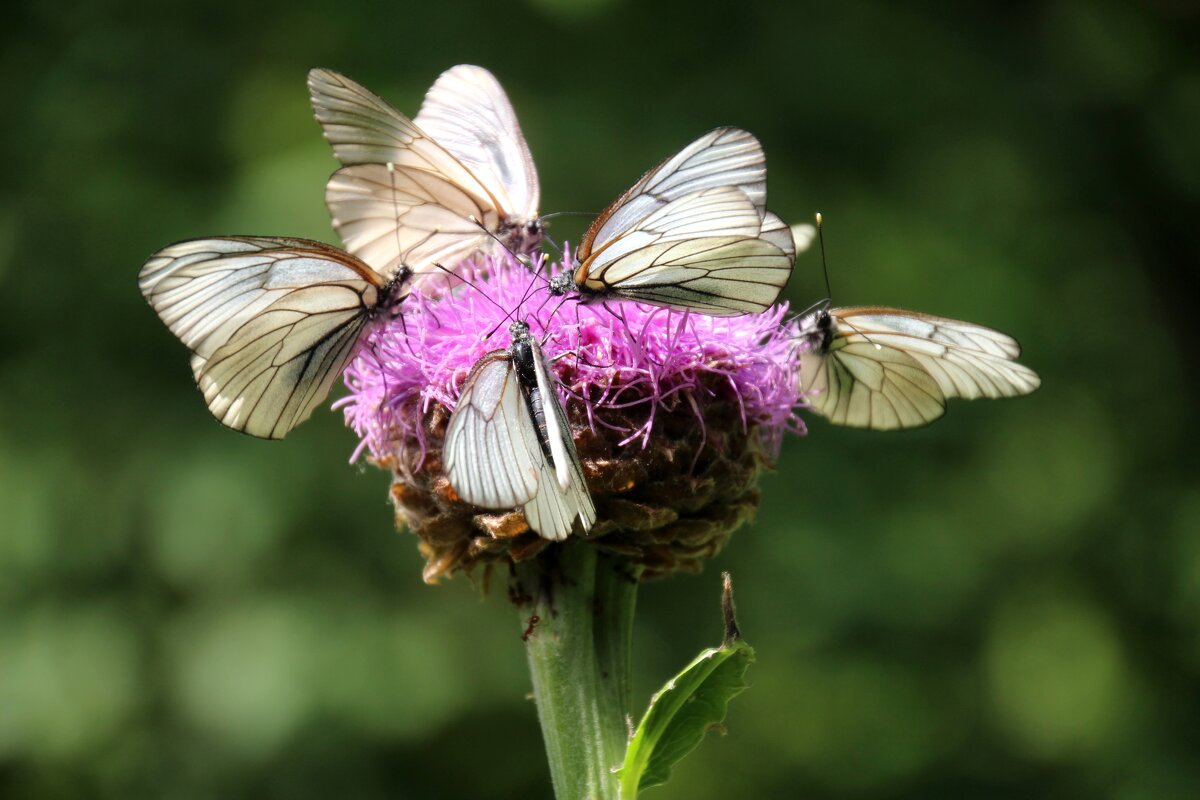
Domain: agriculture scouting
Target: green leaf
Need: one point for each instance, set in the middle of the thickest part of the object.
(687, 707)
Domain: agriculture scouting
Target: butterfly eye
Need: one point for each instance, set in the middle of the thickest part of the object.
(533, 227)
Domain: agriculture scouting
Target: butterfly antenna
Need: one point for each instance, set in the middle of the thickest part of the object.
(452, 274)
(546, 238)
(824, 264)
(391, 168)
(828, 289)
(569, 214)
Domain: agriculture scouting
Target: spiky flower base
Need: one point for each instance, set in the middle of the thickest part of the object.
(665, 507)
(674, 415)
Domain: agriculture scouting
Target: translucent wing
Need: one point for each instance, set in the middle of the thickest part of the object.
(721, 157)
(563, 494)
(205, 289)
(365, 129)
(862, 386)
(393, 217)
(803, 235)
(702, 251)
(492, 454)
(888, 368)
(271, 322)
(495, 459)
(467, 112)
(776, 231)
(406, 197)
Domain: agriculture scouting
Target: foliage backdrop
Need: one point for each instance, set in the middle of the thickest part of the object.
(1004, 604)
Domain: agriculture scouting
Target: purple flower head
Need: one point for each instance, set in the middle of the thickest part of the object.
(653, 395)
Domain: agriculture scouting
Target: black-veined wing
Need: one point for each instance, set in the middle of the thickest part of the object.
(271, 323)
(887, 368)
(721, 157)
(508, 443)
(467, 112)
(405, 197)
(703, 251)
(394, 218)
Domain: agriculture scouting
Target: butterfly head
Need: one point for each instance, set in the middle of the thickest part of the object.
(561, 283)
(392, 293)
(521, 235)
(818, 328)
(519, 331)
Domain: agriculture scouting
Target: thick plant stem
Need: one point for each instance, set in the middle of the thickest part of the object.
(616, 599)
(578, 651)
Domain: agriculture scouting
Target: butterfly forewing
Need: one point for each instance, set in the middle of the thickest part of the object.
(363, 128)
(692, 233)
(721, 157)
(467, 112)
(701, 252)
(493, 457)
(271, 323)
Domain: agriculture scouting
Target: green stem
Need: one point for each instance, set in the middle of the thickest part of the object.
(579, 658)
(616, 599)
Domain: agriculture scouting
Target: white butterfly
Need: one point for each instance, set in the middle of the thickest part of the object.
(693, 233)
(428, 191)
(887, 368)
(509, 444)
(271, 322)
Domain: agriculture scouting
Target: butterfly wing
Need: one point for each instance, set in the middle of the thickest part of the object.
(391, 217)
(859, 385)
(702, 252)
(271, 323)
(494, 457)
(888, 368)
(803, 235)
(467, 112)
(403, 197)
(563, 493)
(721, 157)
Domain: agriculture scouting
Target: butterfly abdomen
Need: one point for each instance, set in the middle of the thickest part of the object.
(523, 357)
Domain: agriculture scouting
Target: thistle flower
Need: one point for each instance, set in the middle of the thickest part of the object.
(674, 415)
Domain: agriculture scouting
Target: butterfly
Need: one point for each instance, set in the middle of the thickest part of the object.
(887, 368)
(509, 444)
(692, 233)
(430, 191)
(271, 322)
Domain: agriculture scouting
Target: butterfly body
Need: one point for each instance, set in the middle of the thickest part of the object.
(509, 444)
(520, 234)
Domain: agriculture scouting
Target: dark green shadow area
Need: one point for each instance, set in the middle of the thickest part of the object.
(1005, 604)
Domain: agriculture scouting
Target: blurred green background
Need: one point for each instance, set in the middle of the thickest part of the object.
(1005, 604)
